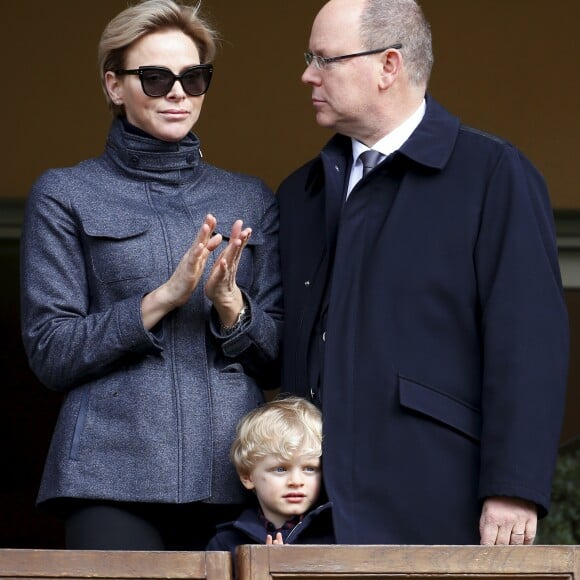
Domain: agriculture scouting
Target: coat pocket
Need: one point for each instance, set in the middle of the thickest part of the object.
(441, 407)
(119, 248)
(79, 426)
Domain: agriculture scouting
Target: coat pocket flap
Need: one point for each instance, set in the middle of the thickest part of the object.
(117, 229)
(441, 407)
(256, 239)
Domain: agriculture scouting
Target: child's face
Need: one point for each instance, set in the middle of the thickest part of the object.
(285, 488)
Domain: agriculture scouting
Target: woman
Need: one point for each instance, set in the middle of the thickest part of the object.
(160, 344)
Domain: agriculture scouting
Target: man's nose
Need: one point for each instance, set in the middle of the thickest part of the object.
(311, 75)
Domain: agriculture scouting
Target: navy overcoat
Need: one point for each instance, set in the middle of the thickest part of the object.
(446, 347)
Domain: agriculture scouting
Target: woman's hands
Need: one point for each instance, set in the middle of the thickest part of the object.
(221, 287)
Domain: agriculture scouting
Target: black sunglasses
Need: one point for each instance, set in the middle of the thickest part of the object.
(157, 81)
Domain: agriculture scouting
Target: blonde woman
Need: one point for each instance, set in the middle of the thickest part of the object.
(151, 299)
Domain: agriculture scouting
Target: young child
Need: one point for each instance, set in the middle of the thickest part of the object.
(277, 454)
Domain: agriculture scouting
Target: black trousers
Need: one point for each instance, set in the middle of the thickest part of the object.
(109, 525)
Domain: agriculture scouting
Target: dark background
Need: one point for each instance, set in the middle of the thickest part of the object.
(505, 66)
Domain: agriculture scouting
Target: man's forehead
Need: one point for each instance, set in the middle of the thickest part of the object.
(335, 30)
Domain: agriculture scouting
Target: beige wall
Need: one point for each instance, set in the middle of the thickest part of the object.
(506, 66)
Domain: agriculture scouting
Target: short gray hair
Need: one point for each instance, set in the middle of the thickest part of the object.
(386, 22)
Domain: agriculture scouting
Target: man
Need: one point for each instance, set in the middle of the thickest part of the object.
(424, 305)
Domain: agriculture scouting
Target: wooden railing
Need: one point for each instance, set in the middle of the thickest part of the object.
(409, 562)
(59, 564)
(302, 563)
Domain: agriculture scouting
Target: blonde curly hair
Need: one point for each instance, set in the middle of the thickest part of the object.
(283, 427)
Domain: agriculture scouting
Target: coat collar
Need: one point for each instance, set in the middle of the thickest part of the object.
(250, 523)
(430, 145)
(143, 156)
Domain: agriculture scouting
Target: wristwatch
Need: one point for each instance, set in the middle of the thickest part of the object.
(242, 316)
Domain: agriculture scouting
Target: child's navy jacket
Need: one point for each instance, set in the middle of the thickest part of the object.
(315, 528)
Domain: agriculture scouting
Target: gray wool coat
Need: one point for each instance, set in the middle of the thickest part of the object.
(146, 416)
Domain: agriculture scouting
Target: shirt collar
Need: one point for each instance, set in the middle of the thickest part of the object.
(396, 138)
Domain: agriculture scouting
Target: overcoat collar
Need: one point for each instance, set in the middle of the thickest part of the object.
(430, 145)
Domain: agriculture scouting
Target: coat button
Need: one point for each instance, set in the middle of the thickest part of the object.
(307, 283)
(324, 336)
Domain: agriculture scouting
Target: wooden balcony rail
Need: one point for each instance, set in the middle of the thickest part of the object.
(59, 564)
(408, 562)
(302, 563)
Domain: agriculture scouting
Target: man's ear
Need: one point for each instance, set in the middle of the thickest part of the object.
(246, 479)
(114, 87)
(392, 64)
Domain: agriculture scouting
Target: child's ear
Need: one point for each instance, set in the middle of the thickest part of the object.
(246, 479)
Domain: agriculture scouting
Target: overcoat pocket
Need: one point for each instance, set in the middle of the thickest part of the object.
(440, 406)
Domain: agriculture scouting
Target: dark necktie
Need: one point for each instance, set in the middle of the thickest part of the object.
(369, 159)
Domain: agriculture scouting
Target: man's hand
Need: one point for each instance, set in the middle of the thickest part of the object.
(507, 520)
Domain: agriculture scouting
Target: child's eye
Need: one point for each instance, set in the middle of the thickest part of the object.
(279, 469)
(311, 469)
